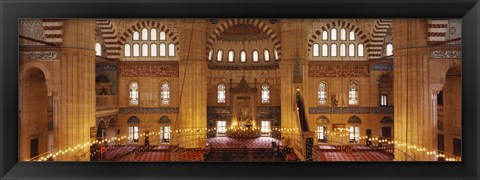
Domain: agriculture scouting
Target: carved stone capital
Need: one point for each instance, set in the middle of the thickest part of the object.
(436, 88)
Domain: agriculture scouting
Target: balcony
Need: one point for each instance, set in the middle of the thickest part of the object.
(106, 101)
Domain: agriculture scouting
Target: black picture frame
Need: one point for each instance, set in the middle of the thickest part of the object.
(469, 10)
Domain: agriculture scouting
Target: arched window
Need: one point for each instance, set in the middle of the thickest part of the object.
(210, 54)
(136, 50)
(389, 49)
(335, 43)
(136, 36)
(343, 34)
(219, 55)
(324, 35)
(162, 36)
(153, 34)
(383, 99)
(351, 50)
(333, 34)
(164, 122)
(324, 50)
(333, 50)
(354, 134)
(265, 93)
(171, 50)
(255, 56)
(353, 94)
(165, 134)
(133, 123)
(144, 34)
(163, 51)
(266, 55)
(153, 50)
(276, 54)
(221, 93)
(322, 93)
(165, 93)
(265, 128)
(231, 55)
(385, 85)
(126, 50)
(133, 93)
(243, 56)
(343, 48)
(360, 50)
(98, 49)
(149, 44)
(352, 36)
(144, 50)
(316, 49)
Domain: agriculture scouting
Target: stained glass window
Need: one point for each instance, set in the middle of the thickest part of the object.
(221, 93)
(322, 93)
(165, 93)
(353, 94)
(265, 93)
(134, 93)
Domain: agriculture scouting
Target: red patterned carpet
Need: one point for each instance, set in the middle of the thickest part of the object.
(228, 149)
(190, 155)
(114, 152)
(148, 156)
(350, 153)
(226, 142)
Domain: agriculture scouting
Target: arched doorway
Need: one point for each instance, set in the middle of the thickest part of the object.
(452, 111)
(33, 113)
(101, 130)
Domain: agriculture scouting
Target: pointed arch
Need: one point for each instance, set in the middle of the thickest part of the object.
(386, 120)
(354, 120)
(322, 120)
(224, 25)
(148, 24)
(380, 31)
(164, 120)
(109, 34)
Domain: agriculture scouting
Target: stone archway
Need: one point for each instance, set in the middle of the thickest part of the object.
(33, 112)
(452, 118)
(224, 25)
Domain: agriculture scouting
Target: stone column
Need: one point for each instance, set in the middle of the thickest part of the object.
(412, 95)
(436, 88)
(289, 53)
(193, 84)
(77, 87)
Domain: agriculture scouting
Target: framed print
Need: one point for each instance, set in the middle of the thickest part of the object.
(265, 89)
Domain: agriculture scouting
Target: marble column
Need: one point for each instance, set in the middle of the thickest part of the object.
(76, 93)
(193, 85)
(289, 54)
(412, 95)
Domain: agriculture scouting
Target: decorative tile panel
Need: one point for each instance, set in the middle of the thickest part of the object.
(149, 110)
(350, 110)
